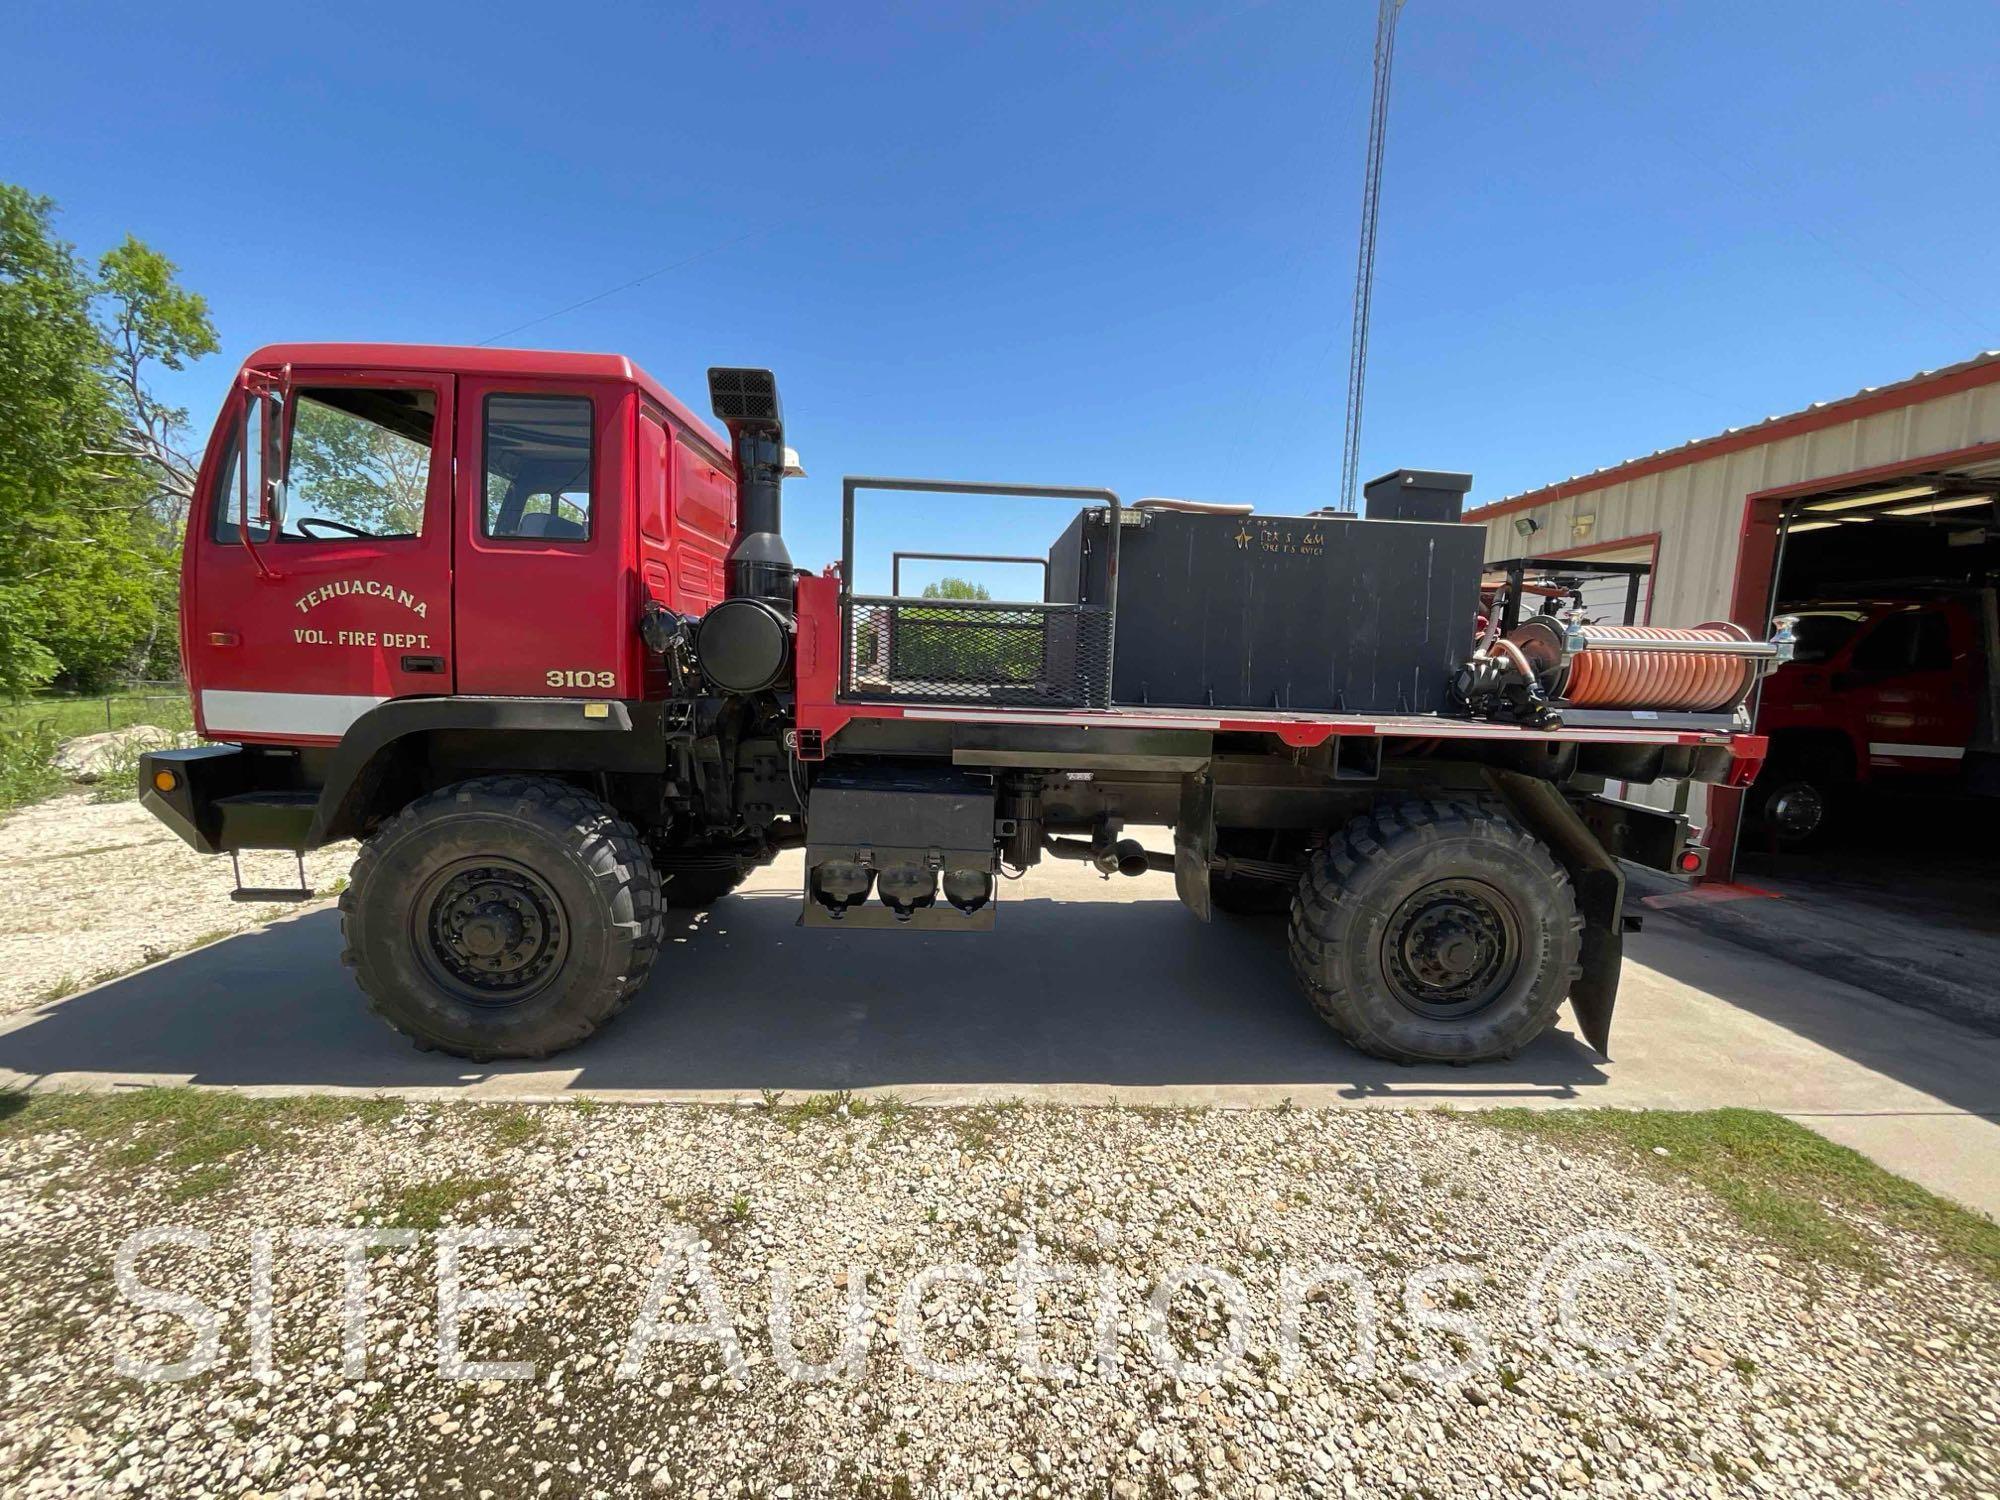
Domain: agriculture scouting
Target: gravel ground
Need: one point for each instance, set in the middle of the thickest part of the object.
(1772, 1379)
(95, 889)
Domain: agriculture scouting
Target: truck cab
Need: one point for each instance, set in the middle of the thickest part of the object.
(1881, 691)
(409, 521)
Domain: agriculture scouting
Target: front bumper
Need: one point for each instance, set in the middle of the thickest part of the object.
(222, 798)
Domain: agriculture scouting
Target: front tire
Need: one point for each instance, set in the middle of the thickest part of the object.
(1792, 807)
(1435, 932)
(508, 916)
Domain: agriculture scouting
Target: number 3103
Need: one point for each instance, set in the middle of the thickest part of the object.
(558, 677)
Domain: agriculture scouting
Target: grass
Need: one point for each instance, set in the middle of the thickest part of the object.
(32, 729)
(979, 1126)
(26, 774)
(841, 1104)
(195, 1133)
(59, 988)
(66, 715)
(512, 1125)
(428, 1204)
(1779, 1180)
(118, 778)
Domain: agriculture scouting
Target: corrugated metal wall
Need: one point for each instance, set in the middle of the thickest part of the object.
(1697, 507)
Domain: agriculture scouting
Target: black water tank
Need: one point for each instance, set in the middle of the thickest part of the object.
(1416, 495)
(1311, 613)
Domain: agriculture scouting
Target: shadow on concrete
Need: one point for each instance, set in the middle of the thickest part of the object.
(1065, 993)
(1953, 1063)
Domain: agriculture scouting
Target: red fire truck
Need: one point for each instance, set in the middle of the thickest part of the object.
(1892, 691)
(526, 627)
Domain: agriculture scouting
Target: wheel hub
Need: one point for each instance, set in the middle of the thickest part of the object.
(491, 930)
(494, 931)
(1797, 810)
(1451, 948)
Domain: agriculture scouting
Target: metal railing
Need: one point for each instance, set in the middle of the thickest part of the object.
(897, 648)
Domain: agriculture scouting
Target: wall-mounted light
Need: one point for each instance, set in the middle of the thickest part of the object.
(1527, 525)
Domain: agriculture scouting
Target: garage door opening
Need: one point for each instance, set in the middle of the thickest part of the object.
(1883, 779)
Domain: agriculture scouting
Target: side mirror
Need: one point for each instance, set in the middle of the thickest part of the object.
(257, 409)
(271, 472)
(277, 459)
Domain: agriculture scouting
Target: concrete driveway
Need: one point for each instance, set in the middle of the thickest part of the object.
(1089, 991)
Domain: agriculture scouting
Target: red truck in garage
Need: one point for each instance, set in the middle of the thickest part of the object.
(1892, 692)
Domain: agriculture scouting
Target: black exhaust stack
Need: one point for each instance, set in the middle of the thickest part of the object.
(759, 566)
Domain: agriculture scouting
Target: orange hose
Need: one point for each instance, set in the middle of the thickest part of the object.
(1613, 676)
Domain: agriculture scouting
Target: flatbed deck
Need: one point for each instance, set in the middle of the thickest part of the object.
(1301, 729)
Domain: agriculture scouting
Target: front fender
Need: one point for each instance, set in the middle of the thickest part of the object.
(480, 734)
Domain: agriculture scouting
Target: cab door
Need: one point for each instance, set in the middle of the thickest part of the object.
(1911, 678)
(544, 589)
(322, 568)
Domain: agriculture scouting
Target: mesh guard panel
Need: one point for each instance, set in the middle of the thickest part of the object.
(953, 652)
(743, 395)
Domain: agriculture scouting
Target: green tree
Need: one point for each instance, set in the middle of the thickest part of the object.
(92, 492)
(55, 412)
(956, 588)
(153, 320)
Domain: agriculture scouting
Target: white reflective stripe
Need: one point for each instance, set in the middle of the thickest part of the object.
(1919, 752)
(227, 711)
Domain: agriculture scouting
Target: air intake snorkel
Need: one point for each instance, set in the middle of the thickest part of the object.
(759, 566)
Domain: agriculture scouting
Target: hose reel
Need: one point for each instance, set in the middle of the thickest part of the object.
(1551, 662)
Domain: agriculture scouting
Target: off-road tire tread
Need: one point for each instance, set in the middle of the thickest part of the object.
(1340, 872)
(608, 844)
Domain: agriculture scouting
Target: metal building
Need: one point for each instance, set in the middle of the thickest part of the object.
(1734, 523)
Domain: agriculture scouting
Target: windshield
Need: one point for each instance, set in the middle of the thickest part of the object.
(1822, 633)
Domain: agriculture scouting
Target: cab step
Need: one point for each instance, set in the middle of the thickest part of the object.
(268, 893)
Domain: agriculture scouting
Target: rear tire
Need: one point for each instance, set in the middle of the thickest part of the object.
(1435, 932)
(509, 916)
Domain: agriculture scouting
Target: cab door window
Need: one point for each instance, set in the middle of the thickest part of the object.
(1914, 641)
(359, 464)
(537, 468)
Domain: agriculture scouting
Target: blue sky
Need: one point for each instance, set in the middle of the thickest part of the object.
(1081, 244)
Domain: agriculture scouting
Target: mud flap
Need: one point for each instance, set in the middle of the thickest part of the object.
(1600, 894)
(1599, 882)
(1194, 843)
